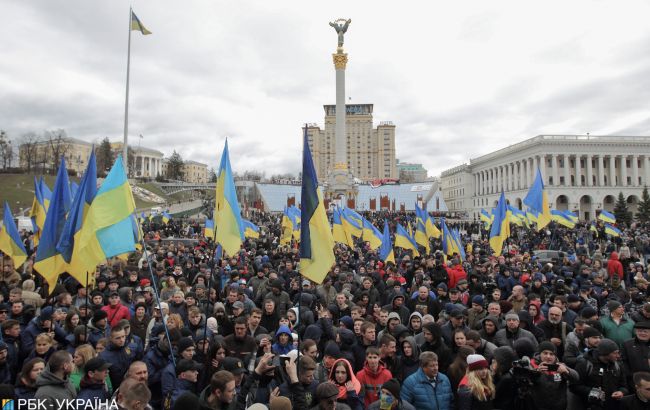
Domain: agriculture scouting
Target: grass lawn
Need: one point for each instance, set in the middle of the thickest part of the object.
(18, 190)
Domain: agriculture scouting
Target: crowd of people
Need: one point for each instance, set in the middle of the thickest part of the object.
(177, 324)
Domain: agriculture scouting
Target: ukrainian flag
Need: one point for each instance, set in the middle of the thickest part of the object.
(230, 229)
(486, 217)
(82, 200)
(10, 243)
(107, 230)
(455, 233)
(421, 236)
(612, 230)
(607, 217)
(166, 217)
(562, 218)
(386, 250)
(209, 229)
(38, 212)
(338, 231)
(294, 214)
(49, 262)
(571, 216)
(250, 229)
(450, 246)
(592, 227)
(431, 228)
(371, 234)
(137, 26)
(352, 222)
(537, 200)
(406, 241)
(73, 188)
(518, 217)
(46, 193)
(316, 242)
(141, 217)
(532, 216)
(287, 228)
(138, 235)
(500, 226)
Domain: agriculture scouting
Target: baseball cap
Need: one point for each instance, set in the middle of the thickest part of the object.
(234, 365)
(96, 363)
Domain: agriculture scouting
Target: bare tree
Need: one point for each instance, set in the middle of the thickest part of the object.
(58, 146)
(28, 151)
(6, 150)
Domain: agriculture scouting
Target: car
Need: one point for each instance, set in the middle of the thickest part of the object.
(548, 255)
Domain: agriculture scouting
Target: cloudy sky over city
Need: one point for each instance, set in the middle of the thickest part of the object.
(458, 80)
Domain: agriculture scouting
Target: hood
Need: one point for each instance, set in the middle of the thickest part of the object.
(524, 317)
(295, 312)
(124, 294)
(614, 256)
(393, 315)
(418, 314)
(416, 349)
(395, 296)
(284, 329)
(47, 378)
(313, 332)
(347, 338)
(29, 285)
(492, 319)
(400, 330)
(351, 377)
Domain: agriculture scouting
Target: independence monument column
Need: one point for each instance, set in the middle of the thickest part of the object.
(340, 181)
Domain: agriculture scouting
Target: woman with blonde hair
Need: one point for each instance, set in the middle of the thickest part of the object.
(82, 355)
(174, 321)
(476, 390)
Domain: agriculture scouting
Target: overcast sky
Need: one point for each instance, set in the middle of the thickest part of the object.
(458, 79)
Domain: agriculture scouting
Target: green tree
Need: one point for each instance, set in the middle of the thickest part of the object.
(6, 150)
(104, 156)
(175, 166)
(212, 175)
(620, 210)
(644, 206)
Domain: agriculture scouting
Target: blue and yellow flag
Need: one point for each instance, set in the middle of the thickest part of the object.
(562, 218)
(46, 193)
(431, 228)
(500, 230)
(450, 246)
(227, 214)
(316, 242)
(371, 234)
(10, 242)
(352, 222)
(486, 217)
(339, 233)
(421, 237)
(532, 216)
(612, 230)
(82, 200)
(138, 235)
(592, 227)
(107, 230)
(37, 212)
(250, 229)
(166, 217)
(209, 229)
(73, 188)
(405, 241)
(287, 228)
(49, 262)
(455, 234)
(607, 217)
(386, 250)
(537, 201)
(137, 25)
(294, 215)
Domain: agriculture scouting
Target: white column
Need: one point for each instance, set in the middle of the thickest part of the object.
(529, 165)
(508, 176)
(554, 165)
(141, 165)
(612, 170)
(646, 170)
(590, 172)
(601, 171)
(623, 170)
(635, 170)
(567, 173)
(501, 179)
(518, 173)
(578, 171)
(542, 168)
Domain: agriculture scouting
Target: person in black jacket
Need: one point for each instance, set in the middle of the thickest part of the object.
(636, 349)
(641, 399)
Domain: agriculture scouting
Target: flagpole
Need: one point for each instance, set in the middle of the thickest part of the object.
(126, 103)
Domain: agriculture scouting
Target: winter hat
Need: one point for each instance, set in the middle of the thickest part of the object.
(642, 325)
(606, 347)
(476, 362)
(99, 315)
(347, 322)
(280, 403)
(478, 299)
(332, 349)
(393, 387)
(187, 400)
(588, 312)
(184, 344)
(524, 347)
(327, 390)
(46, 313)
(612, 305)
(442, 285)
(504, 355)
(256, 406)
(591, 332)
(547, 346)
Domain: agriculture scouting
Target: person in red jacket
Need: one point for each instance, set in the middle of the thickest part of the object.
(614, 267)
(115, 310)
(456, 273)
(372, 376)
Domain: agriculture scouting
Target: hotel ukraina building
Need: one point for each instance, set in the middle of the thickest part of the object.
(581, 173)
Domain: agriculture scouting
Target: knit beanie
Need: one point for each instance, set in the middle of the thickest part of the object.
(326, 390)
(184, 344)
(512, 316)
(504, 355)
(393, 387)
(524, 347)
(332, 349)
(591, 332)
(612, 305)
(476, 362)
(606, 347)
(547, 346)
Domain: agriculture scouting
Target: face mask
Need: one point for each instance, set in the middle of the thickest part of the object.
(386, 401)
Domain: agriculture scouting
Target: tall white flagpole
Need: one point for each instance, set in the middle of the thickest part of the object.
(126, 103)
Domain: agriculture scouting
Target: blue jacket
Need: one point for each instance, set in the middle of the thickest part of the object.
(33, 329)
(156, 360)
(277, 347)
(168, 379)
(93, 391)
(120, 359)
(182, 386)
(421, 393)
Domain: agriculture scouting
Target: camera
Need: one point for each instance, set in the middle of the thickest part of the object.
(552, 367)
(596, 395)
(521, 363)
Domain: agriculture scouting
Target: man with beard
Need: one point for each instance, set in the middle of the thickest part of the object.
(240, 344)
(555, 329)
(424, 303)
(279, 296)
